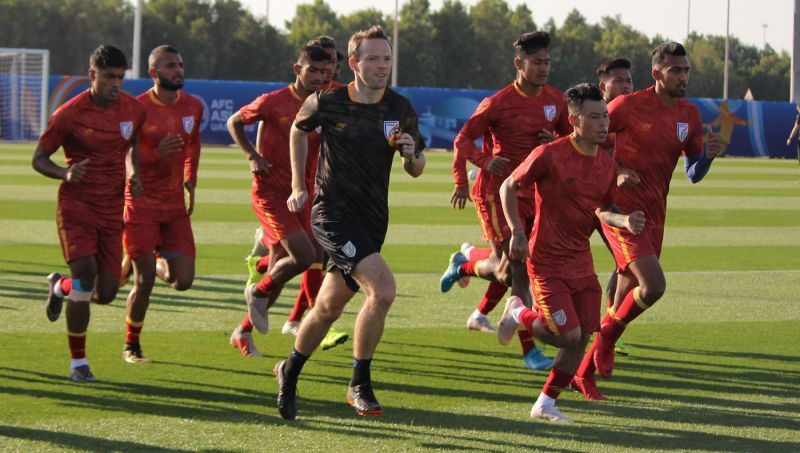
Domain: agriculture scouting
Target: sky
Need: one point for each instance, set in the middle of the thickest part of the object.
(705, 16)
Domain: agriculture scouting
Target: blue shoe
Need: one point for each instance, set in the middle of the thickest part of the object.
(536, 360)
(450, 276)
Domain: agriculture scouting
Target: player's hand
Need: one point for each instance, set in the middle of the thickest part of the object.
(259, 165)
(635, 222)
(714, 145)
(75, 172)
(297, 200)
(497, 166)
(546, 136)
(788, 142)
(460, 197)
(190, 197)
(136, 185)
(518, 247)
(170, 144)
(627, 177)
(406, 145)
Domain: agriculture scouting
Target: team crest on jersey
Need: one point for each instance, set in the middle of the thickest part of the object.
(188, 124)
(683, 131)
(126, 129)
(550, 112)
(390, 128)
(560, 317)
(349, 250)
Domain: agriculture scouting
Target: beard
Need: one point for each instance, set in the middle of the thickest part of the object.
(168, 84)
(677, 92)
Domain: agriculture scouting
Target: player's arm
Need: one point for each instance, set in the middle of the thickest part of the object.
(50, 141)
(259, 165)
(306, 120)
(696, 159)
(410, 144)
(132, 168)
(191, 164)
(794, 132)
(633, 222)
(533, 168)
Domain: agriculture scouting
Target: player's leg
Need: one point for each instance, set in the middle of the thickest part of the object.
(652, 284)
(144, 277)
(177, 250)
(333, 296)
(309, 288)
(84, 274)
(564, 365)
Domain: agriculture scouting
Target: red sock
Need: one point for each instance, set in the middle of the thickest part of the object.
(263, 264)
(132, 331)
(77, 345)
(246, 325)
(300, 306)
(491, 297)
(630, 308)
(264, 287)
(313, 281)
(468, 269)
(480, 253)
(556, 382)
(526, 340)
(527, 317)
(66, 286)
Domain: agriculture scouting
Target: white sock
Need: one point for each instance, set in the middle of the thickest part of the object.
(477, 314)
(75, 363)
(544, 401)
(57, 288)
(468, 251)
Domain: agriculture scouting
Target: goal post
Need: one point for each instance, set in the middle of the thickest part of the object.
(24, 75)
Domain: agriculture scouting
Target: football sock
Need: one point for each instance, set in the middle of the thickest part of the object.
(246, 325)
(294, 365)
(491, 297)
(77, 345)
(587, 369)
(300, 307)
(526, 341)
(468, 269)
(556, 382)
(632, 306)
(479, 253)
(312, 279)
(132, 331)
(63, 287)
(264, 287)
(361, 372)
(262, 265)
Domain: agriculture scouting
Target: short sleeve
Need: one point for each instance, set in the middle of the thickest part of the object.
(56, 132)
(309, 118)
(694, 145)
(255, 111)
(533, 168)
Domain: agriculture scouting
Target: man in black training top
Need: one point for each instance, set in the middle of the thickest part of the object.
(362, 125)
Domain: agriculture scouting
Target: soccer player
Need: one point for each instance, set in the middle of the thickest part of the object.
(615, 80)
(363, 125)
(574, 181)
(157, 225)
(271, 187)
(519, 117)
(659, 120)
(98, 130)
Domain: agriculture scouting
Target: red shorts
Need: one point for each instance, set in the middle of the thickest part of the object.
(493, 221)
(83, 233)
(277, 220)
(567, 303)
(628, 247)
(167, 231)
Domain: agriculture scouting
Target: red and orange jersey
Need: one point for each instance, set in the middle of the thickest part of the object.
(650, 139)
(515, 121)
(103, 136)
(163, 176)
(277, 110)
(570, 186)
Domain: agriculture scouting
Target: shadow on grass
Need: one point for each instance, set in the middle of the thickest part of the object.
(76, 441)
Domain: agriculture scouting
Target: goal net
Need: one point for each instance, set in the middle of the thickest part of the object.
(23, 93)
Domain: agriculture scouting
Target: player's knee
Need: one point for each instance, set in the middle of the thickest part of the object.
(652, 292)
(182, 284)
(104, 296)
(571, 339)
(327, 312)
(144, 282)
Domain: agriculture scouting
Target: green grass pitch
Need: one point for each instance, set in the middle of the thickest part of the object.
(715, 365)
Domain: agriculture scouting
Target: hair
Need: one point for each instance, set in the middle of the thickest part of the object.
(374, 32)
(531, 42)
(339, 56)
(312, 53)
(108, 56)
(581, 93)
(605, 68)
(324, 41)
(663, 51)
(156, 53)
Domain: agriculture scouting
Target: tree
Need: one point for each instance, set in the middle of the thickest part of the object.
(312, 20)
(455, 46)
(417, 57)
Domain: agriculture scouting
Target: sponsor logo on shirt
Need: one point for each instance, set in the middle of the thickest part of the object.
(550, 112)
(560, 317)
(390, 128)
(126, 129)
(683, 131)
(188, 124)
(349, 250)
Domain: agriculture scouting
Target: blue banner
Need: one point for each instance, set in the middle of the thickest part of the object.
(751, 128)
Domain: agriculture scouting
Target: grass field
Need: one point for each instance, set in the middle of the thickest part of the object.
(715, 366)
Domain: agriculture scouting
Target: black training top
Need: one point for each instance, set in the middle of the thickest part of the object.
(352, 182)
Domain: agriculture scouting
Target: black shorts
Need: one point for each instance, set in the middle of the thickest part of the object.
(345, 244)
